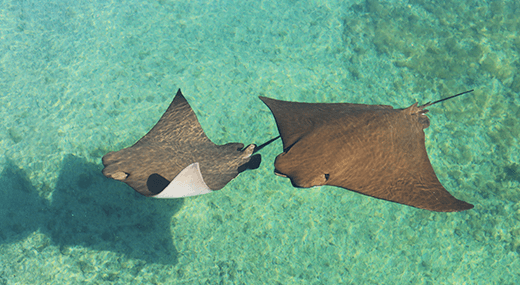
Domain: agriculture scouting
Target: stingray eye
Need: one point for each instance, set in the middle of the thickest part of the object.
(120, 175)
(327, 176)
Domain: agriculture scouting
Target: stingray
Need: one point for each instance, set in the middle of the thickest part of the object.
(374, 150)
(176, 159)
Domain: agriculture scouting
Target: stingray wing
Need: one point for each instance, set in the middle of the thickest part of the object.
(376, 151)
(294, 119)
(169, 128)
(174, 143)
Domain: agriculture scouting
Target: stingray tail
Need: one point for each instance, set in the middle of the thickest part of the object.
(259, 147)
(444, 99)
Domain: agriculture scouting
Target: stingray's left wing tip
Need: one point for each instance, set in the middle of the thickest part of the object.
(463, 206)
(455, 206)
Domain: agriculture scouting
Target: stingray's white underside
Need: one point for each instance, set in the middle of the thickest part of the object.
(188, 182)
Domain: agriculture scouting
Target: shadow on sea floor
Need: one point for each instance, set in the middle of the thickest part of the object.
(89, 210)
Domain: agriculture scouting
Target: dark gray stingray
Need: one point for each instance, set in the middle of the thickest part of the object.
(176, 159)
(371, 149)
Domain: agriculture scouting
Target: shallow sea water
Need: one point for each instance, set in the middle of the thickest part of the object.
(81, 78)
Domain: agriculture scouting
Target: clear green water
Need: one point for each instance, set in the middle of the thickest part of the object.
(81, 78)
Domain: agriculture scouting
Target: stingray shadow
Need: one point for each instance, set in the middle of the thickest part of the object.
(89, 210)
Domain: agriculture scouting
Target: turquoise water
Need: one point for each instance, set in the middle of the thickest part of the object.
(81, 78)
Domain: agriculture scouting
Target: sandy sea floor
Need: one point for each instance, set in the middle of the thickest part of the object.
(81, 78)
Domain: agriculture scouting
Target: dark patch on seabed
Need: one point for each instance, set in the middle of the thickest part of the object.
(87, 210)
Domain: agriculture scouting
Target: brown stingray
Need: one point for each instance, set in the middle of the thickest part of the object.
(371, 149)
(174, 144)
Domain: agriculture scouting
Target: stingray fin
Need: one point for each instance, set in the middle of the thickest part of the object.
(169, 127)
(189, 182)
(295, 119)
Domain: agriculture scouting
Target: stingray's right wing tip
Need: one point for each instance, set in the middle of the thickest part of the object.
(179, 96)
(266, 100)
